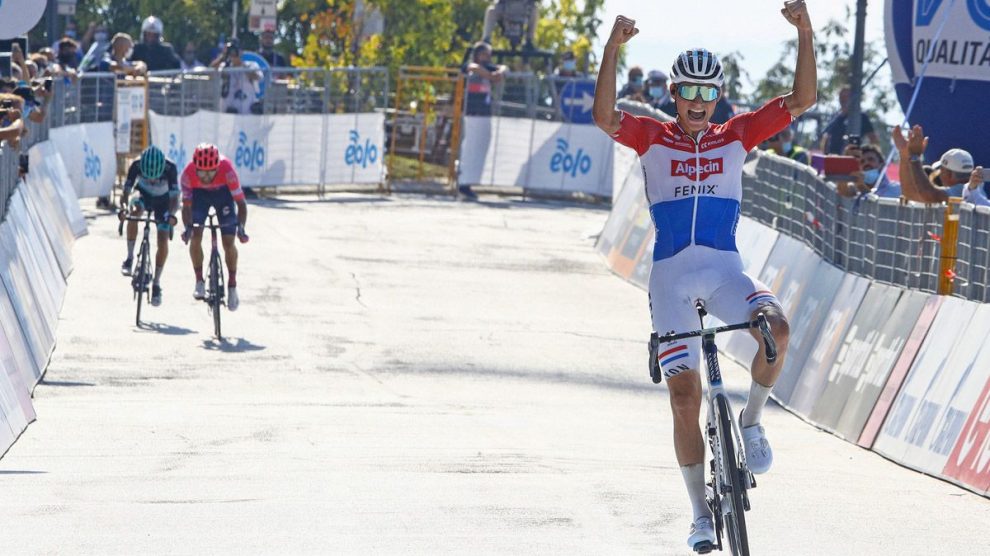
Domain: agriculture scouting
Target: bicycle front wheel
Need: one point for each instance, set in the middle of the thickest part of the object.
(734, 511)
(217, 288)
(141, 278)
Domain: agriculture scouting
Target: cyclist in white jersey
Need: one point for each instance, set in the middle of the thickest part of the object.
(693, 172)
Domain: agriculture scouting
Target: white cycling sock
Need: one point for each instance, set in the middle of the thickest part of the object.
(158, 274)
(694, 479)
(130, 248)
(758, 395)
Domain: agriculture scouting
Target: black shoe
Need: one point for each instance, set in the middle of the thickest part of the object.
(466, 192)
(125, 268)
(103, 202)
(156, 295)
(250, 193)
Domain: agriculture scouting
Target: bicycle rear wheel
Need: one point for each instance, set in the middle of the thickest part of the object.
(217, 288)
(735, 517)
(140, 279)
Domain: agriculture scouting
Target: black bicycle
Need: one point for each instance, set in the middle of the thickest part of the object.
(141, 274)
(730, 477)
(214, 281)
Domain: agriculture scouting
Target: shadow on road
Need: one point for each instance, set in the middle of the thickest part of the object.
(231, 345)
(65, 383)
(166, 329)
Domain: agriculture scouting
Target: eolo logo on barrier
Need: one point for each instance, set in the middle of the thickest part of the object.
(176, 152)
(564, 161)
(92, 167)
(358, 154)
(250, 156)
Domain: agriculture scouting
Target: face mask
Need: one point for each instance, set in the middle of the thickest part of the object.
(100, 37)
(638, 80)
(787, 146)
(71, 33)
(657, 92)
(870, 177)
(570, 65)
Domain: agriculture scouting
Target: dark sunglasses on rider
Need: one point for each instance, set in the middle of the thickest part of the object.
(707, 93)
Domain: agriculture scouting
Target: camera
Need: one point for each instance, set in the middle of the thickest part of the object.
(853, 140)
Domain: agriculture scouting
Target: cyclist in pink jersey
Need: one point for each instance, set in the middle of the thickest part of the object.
(693, 172)
(211, 181)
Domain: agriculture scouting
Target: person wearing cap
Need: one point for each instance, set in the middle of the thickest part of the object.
(954, 174)
(656, 90)
(157, 54)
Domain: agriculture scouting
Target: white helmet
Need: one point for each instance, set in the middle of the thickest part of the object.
(152, 25)
(697, 66)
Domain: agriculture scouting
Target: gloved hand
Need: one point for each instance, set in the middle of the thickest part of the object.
(242, 235)
(186, 234)
(121, 215)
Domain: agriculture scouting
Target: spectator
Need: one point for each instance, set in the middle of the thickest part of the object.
(568, 65)
(723, 111)
(783, 145)
(189, 60)
(41, 62)
(19, 69)
(68, 50)
(954, 175)
(32, 109)
(267, 50)
(157, 54)
(499, 10)
(481, 74)
(633, 89)
(239, 91)
(11, 124)
(658, 92)
(96, 51)
(834, 137)
(868, 179)
(116, 59)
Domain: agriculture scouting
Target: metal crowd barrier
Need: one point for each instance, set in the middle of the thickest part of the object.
(8, 176)
(882, 239)
(282, 90)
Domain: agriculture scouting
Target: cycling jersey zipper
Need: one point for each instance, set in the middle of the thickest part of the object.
(697, 182)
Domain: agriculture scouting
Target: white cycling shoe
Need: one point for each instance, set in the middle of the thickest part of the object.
(702, 537)
(759, 455)
(200, 291)
(233, 302)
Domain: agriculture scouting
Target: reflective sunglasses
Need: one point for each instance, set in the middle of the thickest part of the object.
(707, 93)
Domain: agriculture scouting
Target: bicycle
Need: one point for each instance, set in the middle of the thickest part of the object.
(214, 282)
(730, 478)
(141, 274)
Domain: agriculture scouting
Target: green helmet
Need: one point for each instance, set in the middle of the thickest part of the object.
(152, 163)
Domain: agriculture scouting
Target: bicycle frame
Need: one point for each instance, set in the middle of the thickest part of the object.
(722, 497)
(215, 280)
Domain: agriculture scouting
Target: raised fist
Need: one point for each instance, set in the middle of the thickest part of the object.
(623, 30)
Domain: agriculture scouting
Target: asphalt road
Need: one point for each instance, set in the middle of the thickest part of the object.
(407, 376)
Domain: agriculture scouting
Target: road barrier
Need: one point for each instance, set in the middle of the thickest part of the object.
(872, 357)
(40, 225)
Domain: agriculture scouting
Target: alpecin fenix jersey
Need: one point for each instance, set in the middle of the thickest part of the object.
(694, 186)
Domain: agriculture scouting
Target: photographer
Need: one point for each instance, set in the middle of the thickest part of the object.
(239, 91)
(11, 123)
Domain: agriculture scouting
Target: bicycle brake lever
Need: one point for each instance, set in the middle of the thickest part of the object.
(768, 341)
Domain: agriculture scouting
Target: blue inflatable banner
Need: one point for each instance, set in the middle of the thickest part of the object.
(953, 36)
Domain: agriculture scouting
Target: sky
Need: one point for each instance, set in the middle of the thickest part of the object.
(755, 28)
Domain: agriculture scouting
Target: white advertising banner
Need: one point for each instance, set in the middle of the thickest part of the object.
(533, 154)
(912, 433)
(282, 149)
(88, 154)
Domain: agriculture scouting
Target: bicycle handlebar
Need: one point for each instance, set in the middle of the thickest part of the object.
(761, 323)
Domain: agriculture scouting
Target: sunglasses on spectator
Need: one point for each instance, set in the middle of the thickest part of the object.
(707, 93)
